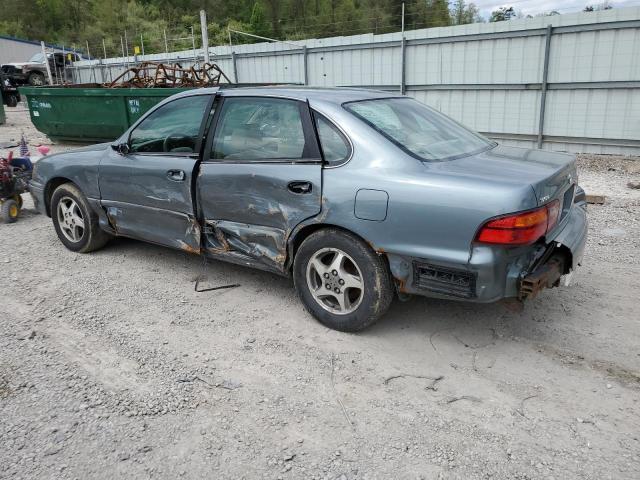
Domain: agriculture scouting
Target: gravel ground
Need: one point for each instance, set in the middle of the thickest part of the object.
(111, 366)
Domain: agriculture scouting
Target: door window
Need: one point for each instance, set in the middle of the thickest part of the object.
(259, 129)
(173, 128)
(334, 145)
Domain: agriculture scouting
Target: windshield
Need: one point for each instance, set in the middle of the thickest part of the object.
(418, 129)
(37, 58)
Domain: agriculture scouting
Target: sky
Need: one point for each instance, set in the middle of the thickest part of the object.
(533, 7)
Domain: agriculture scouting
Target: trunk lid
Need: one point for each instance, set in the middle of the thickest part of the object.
(550, 174)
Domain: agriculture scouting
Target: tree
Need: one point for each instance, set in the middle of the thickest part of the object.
(502, 14)
(273, 8)
(465, 13)
(258, 21)
(438, 14)
(76, 22)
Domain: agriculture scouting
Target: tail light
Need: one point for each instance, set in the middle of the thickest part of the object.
(522, 228)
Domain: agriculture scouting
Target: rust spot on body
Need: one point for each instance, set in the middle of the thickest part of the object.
(188, 248)
(402, 284)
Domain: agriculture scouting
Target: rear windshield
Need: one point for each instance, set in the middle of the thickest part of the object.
(418, 129)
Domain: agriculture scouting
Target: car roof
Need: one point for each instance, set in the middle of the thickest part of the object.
(337, 95)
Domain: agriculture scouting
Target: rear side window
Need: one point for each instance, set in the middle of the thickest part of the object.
(173, 128)
(335, 147)
(259, 129)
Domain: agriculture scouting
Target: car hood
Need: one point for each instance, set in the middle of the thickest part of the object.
(71, 154)
(92, 148)
(547, 172)
(22, 64)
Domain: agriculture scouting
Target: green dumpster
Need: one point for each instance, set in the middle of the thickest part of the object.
(81, 114)
(3, 118)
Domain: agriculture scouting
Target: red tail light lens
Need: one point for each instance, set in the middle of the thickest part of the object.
(520, 228)
(553, 212)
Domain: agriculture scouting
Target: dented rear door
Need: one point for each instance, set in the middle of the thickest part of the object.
(261, 175)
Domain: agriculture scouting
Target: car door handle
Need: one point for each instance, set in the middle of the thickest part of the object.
(176, 175)
(300, 187)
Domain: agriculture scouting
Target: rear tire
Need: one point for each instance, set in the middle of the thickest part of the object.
(341, 281)
(9, 211)
(75, 222)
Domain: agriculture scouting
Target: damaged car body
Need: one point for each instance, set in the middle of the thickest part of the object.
(357, 195)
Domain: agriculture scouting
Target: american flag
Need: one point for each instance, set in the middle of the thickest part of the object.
(24, 150)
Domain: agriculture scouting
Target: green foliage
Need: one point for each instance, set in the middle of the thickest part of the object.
(502, 14)
(147, 22)
(463, 13)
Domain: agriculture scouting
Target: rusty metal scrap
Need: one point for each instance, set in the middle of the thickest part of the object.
(545, 276)
(158, 75)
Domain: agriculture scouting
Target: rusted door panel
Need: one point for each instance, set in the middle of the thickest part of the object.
(142, 201)
(250, 208)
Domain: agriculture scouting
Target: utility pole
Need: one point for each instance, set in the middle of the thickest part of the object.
(64, 65)
(142, 44)
(166, 45)
(104, 51)
(93, 72)
(126, 45)
(46, 63)
(205, 35)
(124, 58)
(403, 42)
(193, 46)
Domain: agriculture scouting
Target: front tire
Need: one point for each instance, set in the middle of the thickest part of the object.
(341, 281)
(9, 210)
(36, 79)
(75, 223)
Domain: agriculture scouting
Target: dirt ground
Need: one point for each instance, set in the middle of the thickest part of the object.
(112, 366)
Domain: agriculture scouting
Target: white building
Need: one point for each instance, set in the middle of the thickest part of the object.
(17, 50)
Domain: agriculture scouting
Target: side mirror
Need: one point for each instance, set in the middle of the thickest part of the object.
(121, 148)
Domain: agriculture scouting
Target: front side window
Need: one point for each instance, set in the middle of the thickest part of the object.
(173, 128)
(259, 129)
(418, 129)
(334, 145)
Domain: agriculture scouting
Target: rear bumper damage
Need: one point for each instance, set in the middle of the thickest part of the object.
(494, 273)
(547, 275)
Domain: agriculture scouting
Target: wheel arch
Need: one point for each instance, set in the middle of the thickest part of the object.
(50, 187)
(303, 232)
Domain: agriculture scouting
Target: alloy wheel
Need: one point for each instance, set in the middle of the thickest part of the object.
(335, 281)
(70, 219)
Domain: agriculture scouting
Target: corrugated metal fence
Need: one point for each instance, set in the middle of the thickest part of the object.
(566, 82)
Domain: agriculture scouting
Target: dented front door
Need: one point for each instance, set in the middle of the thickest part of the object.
(147, 190)
(260, 177)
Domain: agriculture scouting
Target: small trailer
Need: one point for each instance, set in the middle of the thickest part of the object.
(15, 174)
